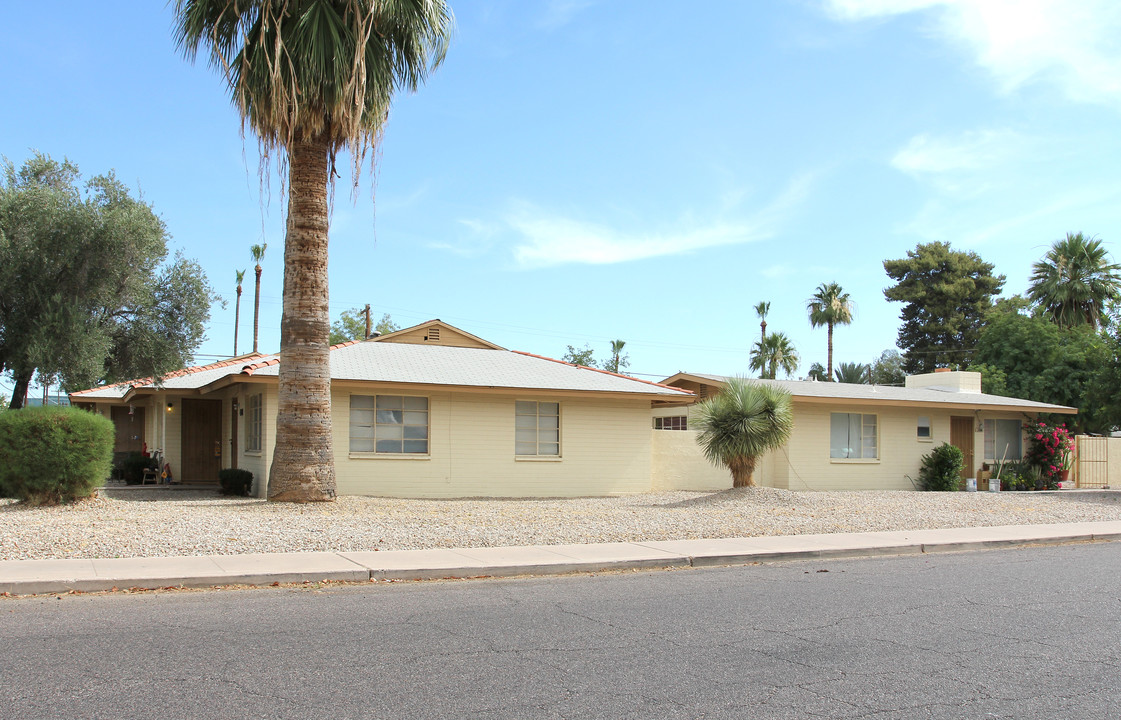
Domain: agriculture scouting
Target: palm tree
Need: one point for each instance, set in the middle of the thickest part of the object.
(312, 79)
(857, 373)
(816, 372)
(761, 310)
(618, 361)
(1074, 280)
(237, 307)
(258, 253)
(740, 424)
(829, 306)
(772, 353)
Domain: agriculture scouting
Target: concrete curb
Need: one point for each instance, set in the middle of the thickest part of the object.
(31, 577)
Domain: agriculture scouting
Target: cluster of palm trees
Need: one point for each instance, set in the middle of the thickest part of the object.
(829, 306)
(258, 254)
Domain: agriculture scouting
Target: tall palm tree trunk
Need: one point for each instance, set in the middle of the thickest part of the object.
(237, 317)
(830, 353)
(257, 298)
(743, 469)
(303, 468)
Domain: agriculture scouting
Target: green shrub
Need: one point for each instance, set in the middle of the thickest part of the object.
(50, 455)
(132, 467)
(235, 481)
(941, 469)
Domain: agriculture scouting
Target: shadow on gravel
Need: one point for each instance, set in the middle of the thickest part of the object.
(135, 493)
(1101, 497)
(724, 497)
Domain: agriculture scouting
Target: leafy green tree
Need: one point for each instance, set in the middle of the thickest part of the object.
(617, 362)
(1074, 281)
(856, 373)
(740, 424)
(237, 307)
(762, 309)
(1040, 361)
(773, 353)
(87, 292)
(887, 369)
(817, 372)
(312, 79)
(258, 253)
(994, 381)
(946, 294)
(351, 325)
(580, 357)
(829, 306)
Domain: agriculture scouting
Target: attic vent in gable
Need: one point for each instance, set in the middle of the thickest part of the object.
(433, 334)
(703, 392)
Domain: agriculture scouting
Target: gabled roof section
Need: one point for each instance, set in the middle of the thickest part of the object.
(833, 392)
(413, 364)
(192, 377)
(436, 332)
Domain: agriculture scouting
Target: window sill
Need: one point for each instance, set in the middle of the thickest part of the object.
(388, 456)
(537, 458)
(253, 453)
(925, 440)
(855, 461)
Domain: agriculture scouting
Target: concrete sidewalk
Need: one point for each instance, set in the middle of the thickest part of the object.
(28, 577)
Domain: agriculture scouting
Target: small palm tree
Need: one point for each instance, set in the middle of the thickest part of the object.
(237, 307)
(618, 361)
(312, 79)
(761, 310)
(856, 373)
(740, 424)
(829, 306)
(773, 353)
(1074, 280)
(258, 253)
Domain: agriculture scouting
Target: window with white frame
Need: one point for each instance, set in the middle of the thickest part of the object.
(537, 428)
(852, 435)
(390, 424)
(923, 428)
(254, 414)
(673, 422)
(1003, 439)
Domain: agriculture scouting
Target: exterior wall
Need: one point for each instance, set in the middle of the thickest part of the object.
(257, 463)
(804, 462)
(900, 449)
(605, 449)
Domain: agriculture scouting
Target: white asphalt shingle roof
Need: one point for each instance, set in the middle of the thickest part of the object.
(880, 393)
(388, 362)
(472, 367)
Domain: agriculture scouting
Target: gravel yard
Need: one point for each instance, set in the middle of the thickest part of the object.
(155, 522)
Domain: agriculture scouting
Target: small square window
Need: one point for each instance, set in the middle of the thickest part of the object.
(924, 428)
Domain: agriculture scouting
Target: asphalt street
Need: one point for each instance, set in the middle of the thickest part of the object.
(1025, 633)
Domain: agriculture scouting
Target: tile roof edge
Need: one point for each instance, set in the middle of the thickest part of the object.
(605, 372)
(182, 372)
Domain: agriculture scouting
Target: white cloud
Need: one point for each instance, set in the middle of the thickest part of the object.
(967, 152)
(1071, 43)
(560, 12)
(545, 239)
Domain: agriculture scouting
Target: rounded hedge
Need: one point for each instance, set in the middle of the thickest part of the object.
(52, 455)
(941, 469)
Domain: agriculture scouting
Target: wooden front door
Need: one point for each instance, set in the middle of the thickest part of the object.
(130, 429)
(961, 437)
(202, 440)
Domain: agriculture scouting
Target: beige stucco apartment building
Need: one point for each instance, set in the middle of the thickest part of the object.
(430, 411)
(855, 437)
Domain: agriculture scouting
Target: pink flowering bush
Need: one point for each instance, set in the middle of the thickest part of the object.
(1049, 449)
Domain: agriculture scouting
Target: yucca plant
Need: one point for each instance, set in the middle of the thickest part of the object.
(741, 423)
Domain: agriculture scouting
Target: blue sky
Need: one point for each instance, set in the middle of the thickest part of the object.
(581, 171)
